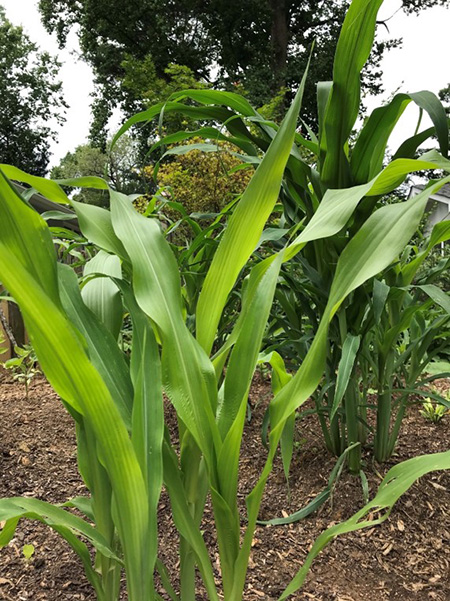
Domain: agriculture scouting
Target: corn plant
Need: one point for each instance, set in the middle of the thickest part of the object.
(410, 327)
(125, 453)
(400, 323)
(319, 171)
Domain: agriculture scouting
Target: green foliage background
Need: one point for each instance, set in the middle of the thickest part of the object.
(203, 182)
(262, 45)
(31, 95)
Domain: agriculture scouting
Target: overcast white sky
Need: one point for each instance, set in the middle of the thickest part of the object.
(421, 63)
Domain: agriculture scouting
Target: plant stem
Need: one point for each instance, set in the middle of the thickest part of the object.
(187, 571)
(351, 413)
(384, 410)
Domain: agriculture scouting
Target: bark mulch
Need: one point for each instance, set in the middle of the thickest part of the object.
(406, 558)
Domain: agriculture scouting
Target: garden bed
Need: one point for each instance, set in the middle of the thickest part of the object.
(408, 557)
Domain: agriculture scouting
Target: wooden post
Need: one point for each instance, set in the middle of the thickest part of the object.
(16, 324)
(5, 330)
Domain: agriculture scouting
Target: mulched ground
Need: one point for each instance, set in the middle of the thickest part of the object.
(406, 558)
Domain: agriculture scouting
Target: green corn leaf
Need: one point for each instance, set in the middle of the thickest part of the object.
(102, 347)
(245, 227)
(440, 233)
(380, 295)
(280, 377)
(388, 230)
(84, 181)
(83, 504)
(423, 393)
(188, 375)
(396, 482)
(433, 106)
(100, 294)
(349, 351)
(287, 445)
(205, 133)
(184, 521)
(323, 97)
(25, 507)
(88, 465)
(209, 113)
(318, 501)
(272, 234)
(66, 524)
(95, 223)
(148, 415)
(394, 174)
(215, 97)
(337, 206)
(47, 188)
(370, 148)
(334, 211)
(409, 147)
(165, 579)
(437, 295)
(227, 523)
(353, 49)
(257, 302)
(68, 368)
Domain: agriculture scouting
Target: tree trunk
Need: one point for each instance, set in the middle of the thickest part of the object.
(279, 41)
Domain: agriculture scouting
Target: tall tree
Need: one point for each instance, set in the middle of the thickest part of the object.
(30, 96)
(261, 44)
(118, 166)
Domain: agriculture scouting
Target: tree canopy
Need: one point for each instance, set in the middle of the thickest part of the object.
(260, 45)
(117, 166)
(31, 96)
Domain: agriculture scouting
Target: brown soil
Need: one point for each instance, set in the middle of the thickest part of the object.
(406, 558)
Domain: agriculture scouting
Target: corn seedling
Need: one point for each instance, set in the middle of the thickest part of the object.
(23, 367)
(125, 453)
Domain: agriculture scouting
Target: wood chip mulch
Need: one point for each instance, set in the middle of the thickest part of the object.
(406, 558)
